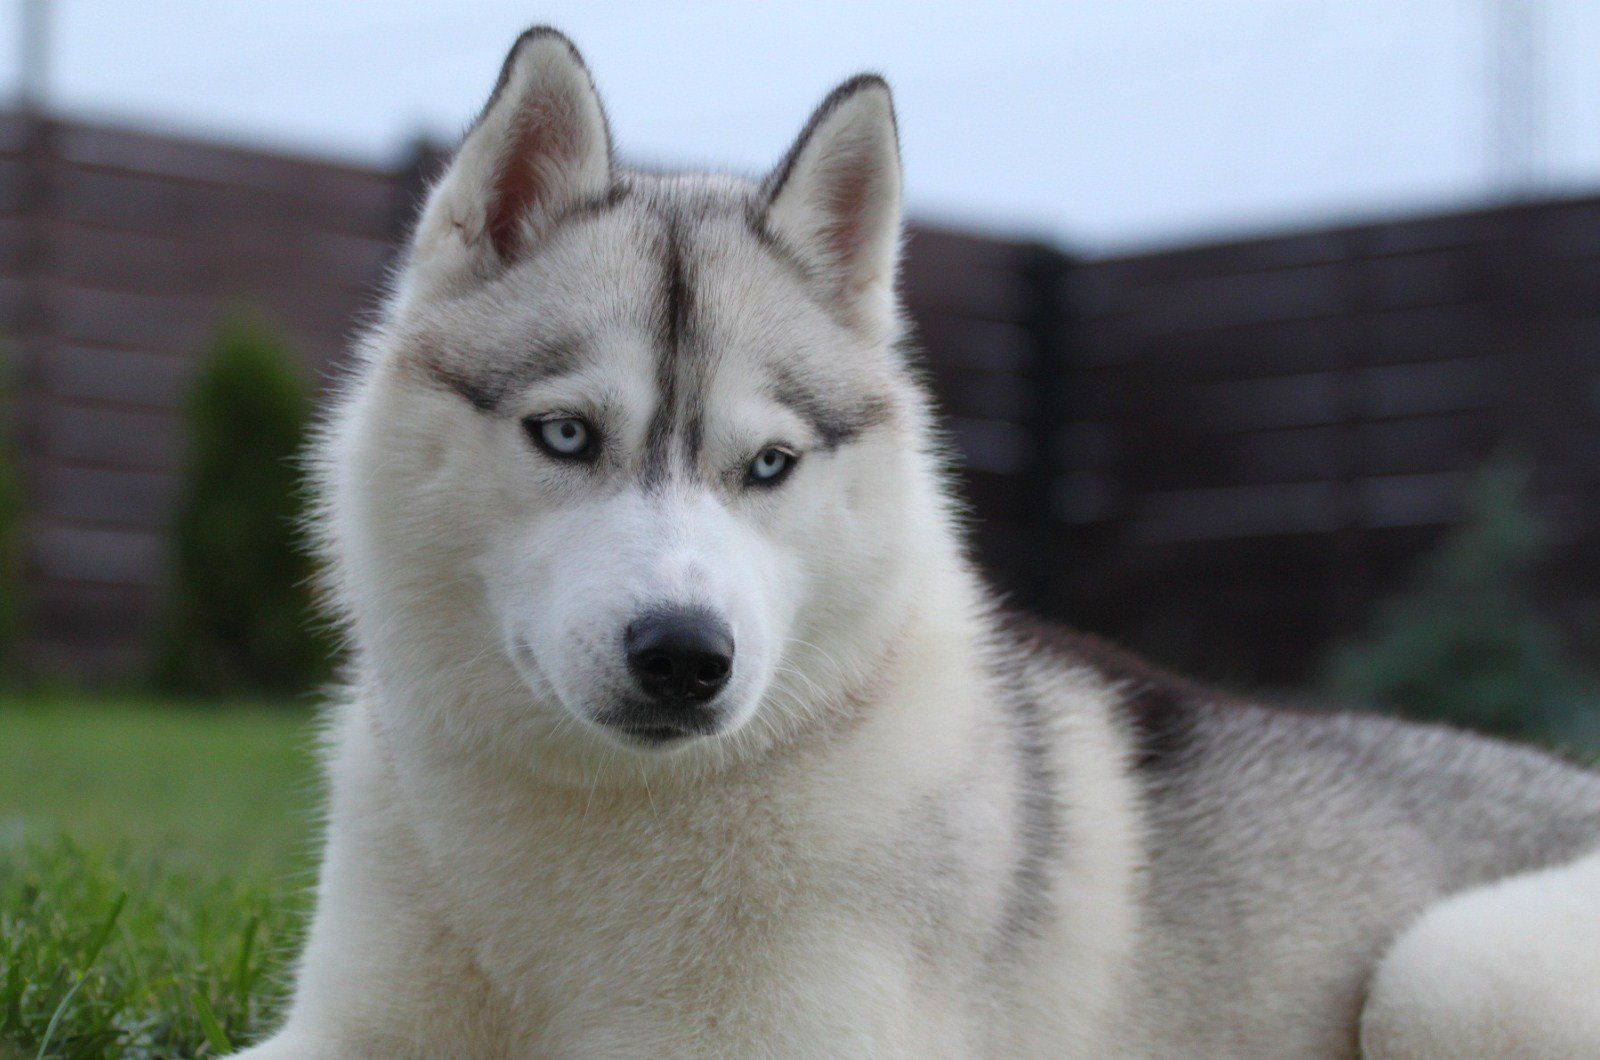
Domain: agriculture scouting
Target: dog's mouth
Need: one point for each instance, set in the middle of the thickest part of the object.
(648, 727)
(655, 735)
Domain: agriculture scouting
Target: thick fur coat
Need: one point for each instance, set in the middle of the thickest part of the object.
(850, 809)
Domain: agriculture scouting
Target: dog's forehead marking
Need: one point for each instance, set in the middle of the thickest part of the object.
(681, 356)
(700, 222)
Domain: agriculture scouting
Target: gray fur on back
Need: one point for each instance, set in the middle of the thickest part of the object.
(1286, 849)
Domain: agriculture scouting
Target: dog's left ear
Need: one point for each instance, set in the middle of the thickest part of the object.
(834, 202)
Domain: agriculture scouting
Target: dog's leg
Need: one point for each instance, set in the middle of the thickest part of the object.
(380, 978)
(1510, 970)
(381, 975)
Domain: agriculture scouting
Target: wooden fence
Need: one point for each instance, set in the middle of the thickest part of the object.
(1225, 454)
(123, 250)
(1260, 438)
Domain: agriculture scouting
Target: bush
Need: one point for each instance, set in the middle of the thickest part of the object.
(240, 609)
(1465, 644)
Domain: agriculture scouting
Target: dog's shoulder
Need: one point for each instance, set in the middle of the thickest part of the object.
(1161, 714)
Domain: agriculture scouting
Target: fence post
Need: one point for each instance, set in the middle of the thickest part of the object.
(31, 330)
(1351, 591)
(1052, 330)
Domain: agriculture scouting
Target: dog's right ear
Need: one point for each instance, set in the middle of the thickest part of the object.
(540, 148)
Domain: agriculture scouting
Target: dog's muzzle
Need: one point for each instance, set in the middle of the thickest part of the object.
(680, 660)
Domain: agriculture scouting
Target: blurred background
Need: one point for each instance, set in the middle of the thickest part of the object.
(1268, 334)
(1235, 308)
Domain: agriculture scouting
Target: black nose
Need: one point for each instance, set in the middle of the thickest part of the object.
(680, 656)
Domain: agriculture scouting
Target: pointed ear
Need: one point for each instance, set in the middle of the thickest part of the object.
(834, 201)
(539, 149)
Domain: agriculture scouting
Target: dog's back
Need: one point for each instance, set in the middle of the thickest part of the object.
(1286, 850)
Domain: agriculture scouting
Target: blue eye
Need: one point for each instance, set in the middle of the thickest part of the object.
(770, 466)
(563, 437)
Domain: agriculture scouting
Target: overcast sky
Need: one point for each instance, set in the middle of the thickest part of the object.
(1103, 124)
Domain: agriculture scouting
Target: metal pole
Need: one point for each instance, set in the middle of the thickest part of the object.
(1516, 96)
(35, 48)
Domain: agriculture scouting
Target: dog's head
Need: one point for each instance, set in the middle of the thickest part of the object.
(636, 451)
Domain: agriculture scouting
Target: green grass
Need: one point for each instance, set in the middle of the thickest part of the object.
(153, 866)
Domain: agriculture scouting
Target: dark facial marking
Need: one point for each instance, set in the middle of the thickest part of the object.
(487, 387)
(835, 422)
(681, 363)
(693, 363)
(480, 396)
(674, 319)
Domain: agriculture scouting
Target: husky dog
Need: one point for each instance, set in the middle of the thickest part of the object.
(682, 726)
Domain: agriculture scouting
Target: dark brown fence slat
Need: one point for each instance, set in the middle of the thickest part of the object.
(79, 612)
(356, 194)
(980, 395)
(1279, 348)
(993, 446)
(1413, 500)
(1441, 386)
(111, 437)
(105, 496)
(14, 183)
(1208, 302)
(15, 132)
(955, 341)
(153, 322)
(121, 556)
(1266, 255)
(1432, 443)
(303, 263)
(1255, 404)
(118, 376)
(963, 275)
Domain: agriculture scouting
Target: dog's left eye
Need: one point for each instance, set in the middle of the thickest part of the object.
(563, 437)
(770, 466)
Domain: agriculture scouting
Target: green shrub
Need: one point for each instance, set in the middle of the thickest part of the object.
(240, 610)
(1465, 644)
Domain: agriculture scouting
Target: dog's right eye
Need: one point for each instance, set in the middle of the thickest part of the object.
(563, 437)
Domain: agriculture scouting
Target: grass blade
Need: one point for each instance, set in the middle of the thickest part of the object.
(12, 992)
(215, 1035)
(83, 973)
(103, 934)
(242, 979)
